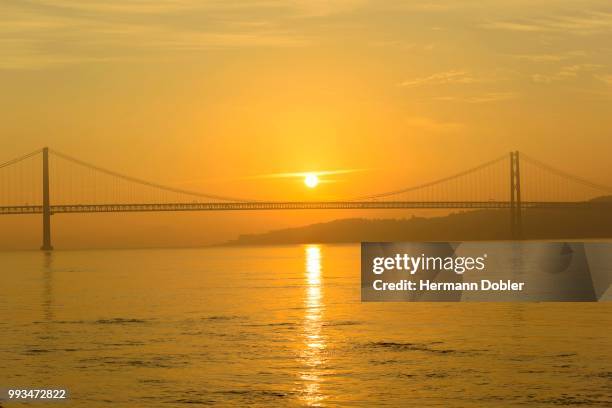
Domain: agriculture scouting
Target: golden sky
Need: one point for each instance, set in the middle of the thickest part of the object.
(211, 95)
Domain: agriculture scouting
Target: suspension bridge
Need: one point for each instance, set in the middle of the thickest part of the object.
(48, 182)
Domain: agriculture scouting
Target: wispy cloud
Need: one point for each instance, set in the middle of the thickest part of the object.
(550, 58)
(567, 72)
(44, 33)
(323, 174)
(486, 97)
(441, 78)
(514, 26)
(584, 23)
(296, 7)
(301, 174)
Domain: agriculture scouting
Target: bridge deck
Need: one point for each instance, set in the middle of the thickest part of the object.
(293, 205)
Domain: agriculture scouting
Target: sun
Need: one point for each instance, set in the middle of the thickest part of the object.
(311, 180)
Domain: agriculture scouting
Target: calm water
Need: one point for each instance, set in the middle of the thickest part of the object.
(280, 326)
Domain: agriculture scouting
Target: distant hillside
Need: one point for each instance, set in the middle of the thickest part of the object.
(462, 226)
(603, 199)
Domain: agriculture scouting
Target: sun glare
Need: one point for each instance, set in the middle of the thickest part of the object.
(311, 180)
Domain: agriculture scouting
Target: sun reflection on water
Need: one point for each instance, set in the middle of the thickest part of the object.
(314, 342)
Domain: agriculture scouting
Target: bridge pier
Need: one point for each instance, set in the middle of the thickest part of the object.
(516, 217)
(46, 238)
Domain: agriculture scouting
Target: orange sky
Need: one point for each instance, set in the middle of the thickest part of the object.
(210, 95)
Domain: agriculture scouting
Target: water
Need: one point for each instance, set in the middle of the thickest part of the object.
(280, 326)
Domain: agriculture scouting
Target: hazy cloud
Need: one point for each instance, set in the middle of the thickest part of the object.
(606, 78)
(430, 125)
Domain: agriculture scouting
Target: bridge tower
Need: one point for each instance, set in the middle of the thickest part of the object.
(46, 245)
(516, 218)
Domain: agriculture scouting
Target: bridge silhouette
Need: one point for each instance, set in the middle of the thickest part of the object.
(48, 182)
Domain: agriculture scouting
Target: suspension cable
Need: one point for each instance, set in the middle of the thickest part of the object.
(562, 173)
(17, 160)
(431, 183)
(147, 183)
